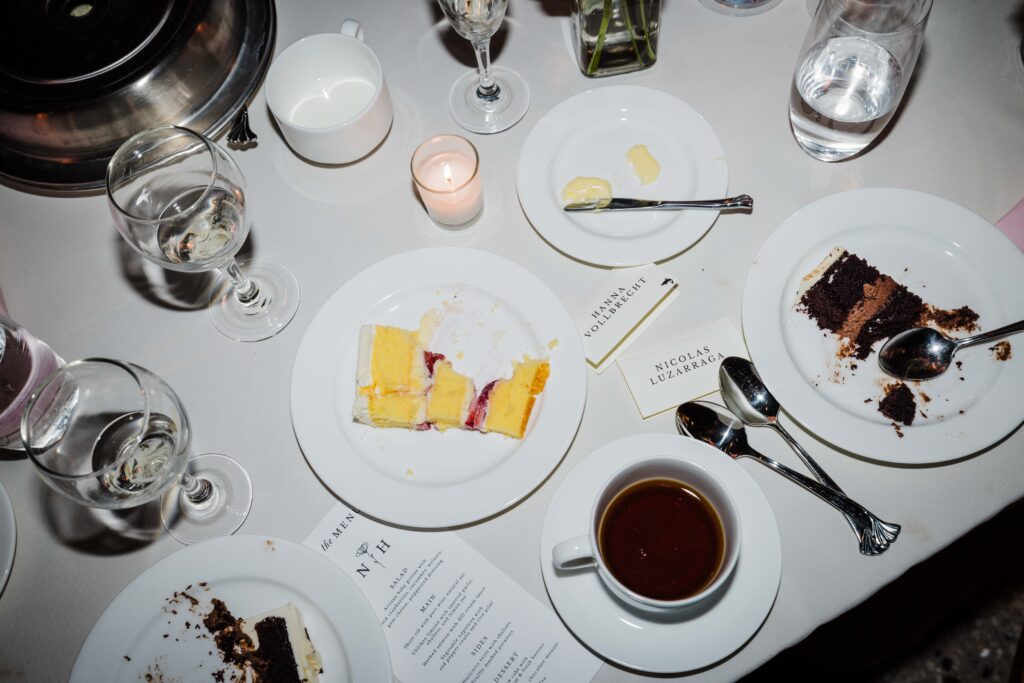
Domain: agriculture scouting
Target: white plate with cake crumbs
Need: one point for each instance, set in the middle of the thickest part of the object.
(613, 134)
(482, 312)
(948, 256)
(154, 631)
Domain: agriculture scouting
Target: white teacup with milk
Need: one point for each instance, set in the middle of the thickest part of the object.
(329, 98)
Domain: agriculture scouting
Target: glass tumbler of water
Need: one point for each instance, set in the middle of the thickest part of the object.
(181, 201)
(112, 435)
(856, 61)
(24, 362)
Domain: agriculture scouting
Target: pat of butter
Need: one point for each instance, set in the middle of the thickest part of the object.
(645, 166)
(583, 189)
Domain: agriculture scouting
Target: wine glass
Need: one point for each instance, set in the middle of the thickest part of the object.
(180, 200)
(113, 435)
(489, 100)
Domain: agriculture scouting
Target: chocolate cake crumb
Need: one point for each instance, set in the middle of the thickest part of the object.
(962, 318)
(925, 397)
(1002, 350)
(898, 404)
(959, 364)
(127, 658)
(867, 400)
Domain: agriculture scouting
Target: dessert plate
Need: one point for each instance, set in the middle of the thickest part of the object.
(691, 640)
(492, 311)
(946, 254)
(151, 631)
(8, 537)
(589, 135)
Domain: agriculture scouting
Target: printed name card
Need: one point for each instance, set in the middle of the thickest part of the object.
(447, 613)
(621, 306)
(681, 369)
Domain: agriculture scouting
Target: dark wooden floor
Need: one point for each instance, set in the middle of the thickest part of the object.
(957, 618)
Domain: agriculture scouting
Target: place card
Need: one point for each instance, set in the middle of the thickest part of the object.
(619, 308)
(447, 613)
(681, 369)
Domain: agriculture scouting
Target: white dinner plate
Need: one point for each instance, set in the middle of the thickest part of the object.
(148, 629)
(946, 254)
(8, 537)
(691, 640)
(588, 135)
(493, 312)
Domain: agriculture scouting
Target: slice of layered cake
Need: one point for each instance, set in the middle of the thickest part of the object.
(392, 378)
(450, 397)
(273, 647)
(504, 405)
(400, 384)
(852, 299)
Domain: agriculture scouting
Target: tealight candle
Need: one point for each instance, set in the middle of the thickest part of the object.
(446, 169)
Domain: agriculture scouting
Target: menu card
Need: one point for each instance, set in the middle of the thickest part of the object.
(447, 613)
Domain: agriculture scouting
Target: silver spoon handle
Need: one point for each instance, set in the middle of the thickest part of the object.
(819, 474)
(875, 535)
(1003, 331)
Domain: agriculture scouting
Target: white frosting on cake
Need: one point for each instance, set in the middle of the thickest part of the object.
(812, 277)
(364, 376)
(307, 659)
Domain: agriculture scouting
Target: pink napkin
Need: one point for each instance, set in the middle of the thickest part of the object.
(1012, 224)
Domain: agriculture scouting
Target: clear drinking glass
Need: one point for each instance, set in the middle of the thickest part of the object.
(180, 200)
(856, 61)
(113, 435)
(492, 99)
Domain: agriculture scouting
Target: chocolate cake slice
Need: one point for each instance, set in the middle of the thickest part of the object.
(852, 299)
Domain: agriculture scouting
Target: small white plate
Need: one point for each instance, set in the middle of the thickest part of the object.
(8, 537)
(494, 312)
(946, 254)
(139, 633)
(691, 640)
(589, 135)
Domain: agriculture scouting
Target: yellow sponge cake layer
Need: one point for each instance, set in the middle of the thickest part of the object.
(511, 400)
(390, 361)
(391, 410)
(450, 397)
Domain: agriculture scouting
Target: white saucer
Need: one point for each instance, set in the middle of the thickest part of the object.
(589, 134)
(8, 537)
(692, 640)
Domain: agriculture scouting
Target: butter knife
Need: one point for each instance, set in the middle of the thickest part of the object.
(743, 201)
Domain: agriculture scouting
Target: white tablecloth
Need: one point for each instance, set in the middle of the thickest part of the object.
(67, 276)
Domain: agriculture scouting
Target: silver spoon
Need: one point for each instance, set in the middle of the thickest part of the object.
(713, 424)
(924, 353)
(746, 395)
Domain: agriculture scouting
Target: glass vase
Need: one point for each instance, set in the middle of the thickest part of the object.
(615, 36)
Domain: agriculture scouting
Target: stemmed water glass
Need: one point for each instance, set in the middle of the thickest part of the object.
(113, 435)
(492, 99)
(180, 200)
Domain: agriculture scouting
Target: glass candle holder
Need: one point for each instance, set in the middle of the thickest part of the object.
(446, 169)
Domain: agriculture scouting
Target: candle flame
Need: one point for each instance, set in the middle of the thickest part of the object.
(448, 174)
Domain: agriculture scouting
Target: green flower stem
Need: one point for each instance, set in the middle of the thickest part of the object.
(647, 33)
(606, 17)
(629, 27)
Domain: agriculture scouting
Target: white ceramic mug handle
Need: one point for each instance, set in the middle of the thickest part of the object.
(352, 29)
(574, 553)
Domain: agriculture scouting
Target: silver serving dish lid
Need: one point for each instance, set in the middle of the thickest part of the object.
(78, 77)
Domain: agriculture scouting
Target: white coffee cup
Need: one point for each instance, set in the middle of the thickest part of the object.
(328, 95)
(584, 551)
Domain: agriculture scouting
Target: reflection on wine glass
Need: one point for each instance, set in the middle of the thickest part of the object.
(180, 200)
(113, 435)
(492, 99)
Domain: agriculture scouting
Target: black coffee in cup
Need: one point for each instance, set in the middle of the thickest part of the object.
(662, 539)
